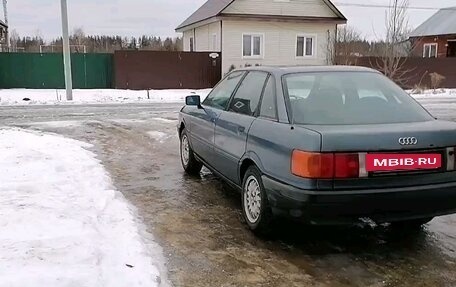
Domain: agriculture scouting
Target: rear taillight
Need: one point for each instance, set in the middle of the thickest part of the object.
(325, 165)
(312, 165)
(346, 165)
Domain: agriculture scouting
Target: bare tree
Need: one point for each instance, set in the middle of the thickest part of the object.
(349, 45)
(436, 80)
(396, 47)
(14, 39)
(78, 39)
(346, 46)
(330, 47)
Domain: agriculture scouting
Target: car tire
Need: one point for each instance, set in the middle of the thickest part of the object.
(411, 224)
(189, 162)
(255, 205)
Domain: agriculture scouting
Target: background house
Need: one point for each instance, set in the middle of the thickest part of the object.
(436, 38)
(264, 32)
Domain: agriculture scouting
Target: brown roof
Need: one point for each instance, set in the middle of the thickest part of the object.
(213, 8)
(209, 9)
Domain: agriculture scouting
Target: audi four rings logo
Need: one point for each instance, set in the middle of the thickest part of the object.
(408, 141)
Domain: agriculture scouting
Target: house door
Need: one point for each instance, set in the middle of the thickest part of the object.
(451, 50)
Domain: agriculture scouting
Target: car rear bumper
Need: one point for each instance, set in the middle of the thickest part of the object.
(347, 207)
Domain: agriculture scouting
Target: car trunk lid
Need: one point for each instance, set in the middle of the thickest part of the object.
(432, 137)
(385, 137)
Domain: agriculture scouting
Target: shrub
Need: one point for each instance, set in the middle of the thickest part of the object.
(436, 80)
(418, 89)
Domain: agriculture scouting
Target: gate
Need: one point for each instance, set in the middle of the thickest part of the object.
(140, 70)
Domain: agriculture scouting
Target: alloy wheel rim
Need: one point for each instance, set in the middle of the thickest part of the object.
(252, 199)
(185, 150)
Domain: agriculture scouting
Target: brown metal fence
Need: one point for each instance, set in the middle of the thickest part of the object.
(418, 69)
(138, 70)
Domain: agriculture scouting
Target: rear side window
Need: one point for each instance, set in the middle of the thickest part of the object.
(268, 104)
(221, 94)
(248, 95)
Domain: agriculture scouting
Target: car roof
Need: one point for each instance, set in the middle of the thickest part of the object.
(282, 70)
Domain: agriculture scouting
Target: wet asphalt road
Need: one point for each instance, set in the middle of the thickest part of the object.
(199, 224)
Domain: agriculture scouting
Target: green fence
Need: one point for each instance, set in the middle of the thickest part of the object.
(45, 71)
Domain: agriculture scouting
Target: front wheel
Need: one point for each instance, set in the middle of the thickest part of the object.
(190, 164)
(255, 206)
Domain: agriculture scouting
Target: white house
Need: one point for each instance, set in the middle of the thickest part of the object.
(264, 32)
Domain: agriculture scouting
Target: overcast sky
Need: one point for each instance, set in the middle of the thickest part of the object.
(160, 17)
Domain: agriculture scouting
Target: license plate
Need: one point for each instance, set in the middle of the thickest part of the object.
(402, 162)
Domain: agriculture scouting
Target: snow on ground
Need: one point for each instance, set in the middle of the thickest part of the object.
(95, 96)
(158, 136)
(58, 124)
(129, 121)
(439, 93)
(61, 221)
(110, 96)
(163, 120)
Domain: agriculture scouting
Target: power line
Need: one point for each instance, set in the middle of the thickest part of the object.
(389, 6)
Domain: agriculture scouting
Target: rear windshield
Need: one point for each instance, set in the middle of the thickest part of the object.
(338, 98)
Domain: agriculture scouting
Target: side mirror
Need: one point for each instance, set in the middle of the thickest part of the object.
(193, 101)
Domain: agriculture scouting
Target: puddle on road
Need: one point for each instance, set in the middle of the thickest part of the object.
(199, 224)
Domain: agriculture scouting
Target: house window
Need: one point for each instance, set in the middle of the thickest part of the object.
(430, 50)
(191, 44)
(252, 45)
(305, 46)
(214, 42)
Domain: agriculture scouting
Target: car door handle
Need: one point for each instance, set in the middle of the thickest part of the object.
(241, 129)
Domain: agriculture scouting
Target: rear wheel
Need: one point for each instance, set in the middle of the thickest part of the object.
(255, 206)
(190, 164)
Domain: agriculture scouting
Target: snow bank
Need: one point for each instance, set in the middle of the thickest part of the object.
(61, 221)
(94, 96)
(439, 93)
(107, 96)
